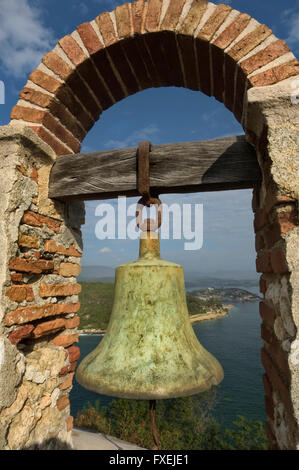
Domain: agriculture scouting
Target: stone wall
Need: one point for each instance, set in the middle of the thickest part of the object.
(41, 248)
(273, 128)
(189, 43)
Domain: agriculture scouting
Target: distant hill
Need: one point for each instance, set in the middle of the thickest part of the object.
(192, 279)
(97, 299)
(97, 273)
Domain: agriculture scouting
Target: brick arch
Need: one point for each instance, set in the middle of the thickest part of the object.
(190, 43)
(183, 43)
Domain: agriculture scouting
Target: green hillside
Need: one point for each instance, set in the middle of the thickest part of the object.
(97, 298)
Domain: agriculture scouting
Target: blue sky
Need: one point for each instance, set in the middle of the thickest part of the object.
(30, 28)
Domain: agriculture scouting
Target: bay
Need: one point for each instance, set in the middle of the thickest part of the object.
(235, 341)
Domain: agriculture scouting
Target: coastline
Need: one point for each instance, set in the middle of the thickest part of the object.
(193, 319)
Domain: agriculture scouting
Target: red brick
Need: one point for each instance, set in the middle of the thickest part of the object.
(72, 322)
(96, 84)
(267, 334)
(49, 327)
(55, 144)
(65, 340)
(61, 133)
(260, 219)
(268, 314)
(58, 290)
(27, 114)
(34, 267)
(278, 261)
(264, 57)
(263, 263)
(30, 313)
(259, 242)
(82, 91)
(21, 333)
(116, 52)
(38, 220)
(36, 97)
(20, 293)
(277, 382)
(203, 58)
(273, 199)
(72, 50)
(123, 22)
(67, 369)
(249, 42)
(137, 9)
(214, 22)
(67, 382)
(272, 235)
(263, 286)
(153, 15)
(218, 72)
(269, 406)
(172, 15)
(51, 247)
(103, 65)
(229, 82)
(52, 326)
(186, 45)
(74, 353)
(63, 402)
(45, 81)
(255, 200)
(136, 59)
(69, 423)
(276, 74)
(106, 28)
(56, 109)
(281, 357)
(16, 277)
(232, 31)
(57, 65)
(287, 220)
(267, 385)
(52, 124)
(66, 97)
(89, 38)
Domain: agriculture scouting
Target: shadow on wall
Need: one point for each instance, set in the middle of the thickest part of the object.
(49, 444)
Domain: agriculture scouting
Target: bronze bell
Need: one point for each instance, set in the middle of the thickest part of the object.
(150, 350)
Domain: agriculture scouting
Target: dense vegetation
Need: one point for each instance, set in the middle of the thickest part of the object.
(97, 299)
(182, 423)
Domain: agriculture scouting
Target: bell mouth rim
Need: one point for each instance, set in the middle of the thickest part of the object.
(208, 384)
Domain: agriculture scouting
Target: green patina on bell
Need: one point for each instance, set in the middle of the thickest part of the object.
(150, 350)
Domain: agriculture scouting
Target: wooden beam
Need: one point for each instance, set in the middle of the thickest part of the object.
(212, 165)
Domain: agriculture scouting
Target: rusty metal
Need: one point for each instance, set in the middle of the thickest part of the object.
(149, 225)
(152, 409)
(144, 149)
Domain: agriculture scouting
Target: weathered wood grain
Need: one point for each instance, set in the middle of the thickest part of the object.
(213, 165)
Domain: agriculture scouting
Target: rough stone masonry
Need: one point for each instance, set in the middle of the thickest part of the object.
(188, 43)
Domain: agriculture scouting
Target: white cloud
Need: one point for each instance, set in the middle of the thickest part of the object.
(290, 17)
(133, 139)
(106, 249)
(23, 37)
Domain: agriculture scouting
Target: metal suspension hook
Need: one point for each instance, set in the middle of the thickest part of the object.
(144, 149)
